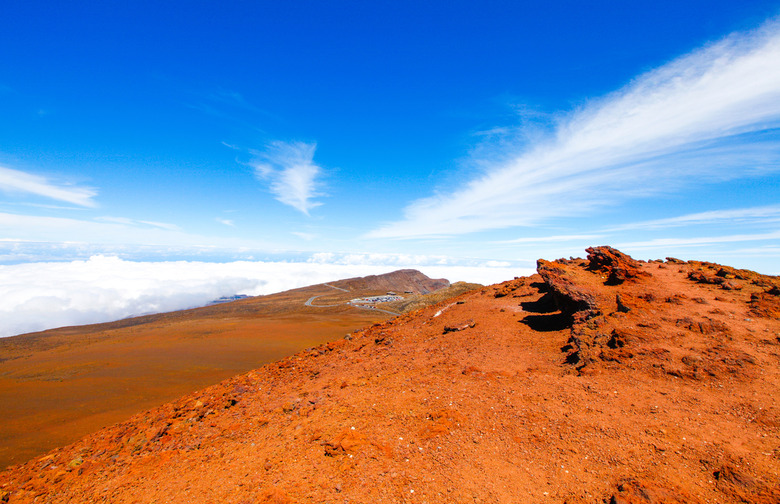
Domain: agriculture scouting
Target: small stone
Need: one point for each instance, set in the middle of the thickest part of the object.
(621, 306)
(730, 285)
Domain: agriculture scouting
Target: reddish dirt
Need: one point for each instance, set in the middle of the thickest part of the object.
(566, 386)
(57, 386)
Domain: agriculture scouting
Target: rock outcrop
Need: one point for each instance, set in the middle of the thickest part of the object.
(617, 266)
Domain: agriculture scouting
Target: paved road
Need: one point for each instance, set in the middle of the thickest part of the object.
(311, 299)
(308, 302)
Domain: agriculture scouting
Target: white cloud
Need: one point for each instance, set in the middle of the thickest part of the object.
(16, 181)
(753, 215)
(378, 258)
(700, 241)
(498, 264)
(555, 238)
(38, 296)
(45, 295)
(772, 251)
(100, 230)
(435, 266)
(304, 236)
(226, 222)
(711, 115)
(234, 99)
(292, 173)
(134, 222)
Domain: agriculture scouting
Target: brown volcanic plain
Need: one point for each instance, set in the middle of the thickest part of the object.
(59, 385)
(596, 380)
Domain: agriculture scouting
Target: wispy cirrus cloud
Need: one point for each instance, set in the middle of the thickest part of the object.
(141, 223)
(234, 99)
(753, 215)
(554, 238)
(105, 230)
(701, 241)
(303, 235)
(291, 172)
(16, 181)
(712, 115)
(228, 106)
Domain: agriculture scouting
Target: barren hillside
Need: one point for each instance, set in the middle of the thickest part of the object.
(59, 385)
(597, 380)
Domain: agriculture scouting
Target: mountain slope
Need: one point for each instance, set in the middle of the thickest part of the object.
(600, 380)
(416, 302)
(406, 280)
(58, 385)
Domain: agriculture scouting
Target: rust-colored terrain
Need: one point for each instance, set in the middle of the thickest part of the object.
(596, 380)
(57, 386)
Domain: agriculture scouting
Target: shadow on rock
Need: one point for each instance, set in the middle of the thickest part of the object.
(548, 323)
(545, 304)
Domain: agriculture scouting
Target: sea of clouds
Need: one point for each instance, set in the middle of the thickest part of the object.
(44, 295)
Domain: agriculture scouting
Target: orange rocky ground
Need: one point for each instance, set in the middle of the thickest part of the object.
(599, 380)
(57, 386)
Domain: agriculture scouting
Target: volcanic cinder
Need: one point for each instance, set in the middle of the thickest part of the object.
(597, 380)
(59, 385)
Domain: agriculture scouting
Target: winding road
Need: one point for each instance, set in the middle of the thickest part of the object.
(311, 299)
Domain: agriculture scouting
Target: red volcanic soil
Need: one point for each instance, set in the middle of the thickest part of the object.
(57, 386)
(599, 380)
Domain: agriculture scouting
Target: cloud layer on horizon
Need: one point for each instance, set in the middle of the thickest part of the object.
(41, 296)
(711, 115)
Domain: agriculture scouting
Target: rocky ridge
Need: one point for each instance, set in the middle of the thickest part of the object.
(597, 380)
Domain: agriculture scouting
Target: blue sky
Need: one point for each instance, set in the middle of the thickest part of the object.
(449, 132)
